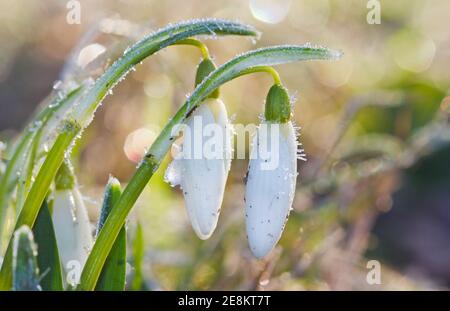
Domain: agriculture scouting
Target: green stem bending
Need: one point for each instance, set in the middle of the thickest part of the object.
(197, 43)
(250, 62)
(268, 69)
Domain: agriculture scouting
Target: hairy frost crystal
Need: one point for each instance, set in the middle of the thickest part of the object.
(71, 222)
(203, 176)
(270, 192)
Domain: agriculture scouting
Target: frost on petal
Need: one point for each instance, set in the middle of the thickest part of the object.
(173, 174)
(270, 192)
(72, 228)
(202, 176)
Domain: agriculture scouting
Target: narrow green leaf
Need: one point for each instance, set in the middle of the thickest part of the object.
(112, 277)
(25, 178)
(25, 268)
(146, 47)
(48, 256)
(138, 258)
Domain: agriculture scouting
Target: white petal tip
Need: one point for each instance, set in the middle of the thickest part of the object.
(204, 228)
(205, 234)
(261, 249)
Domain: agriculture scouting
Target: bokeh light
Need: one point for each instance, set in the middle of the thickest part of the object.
(270, 11)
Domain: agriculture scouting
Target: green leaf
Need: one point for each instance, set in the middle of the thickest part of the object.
(112, 277)
(24, 264)
(146, 47)
(25, 178)
(22, 160)
(138, 256)
(236, 67)
(48, 255)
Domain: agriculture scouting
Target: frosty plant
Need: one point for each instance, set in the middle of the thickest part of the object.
(47, 189)
(270, 192)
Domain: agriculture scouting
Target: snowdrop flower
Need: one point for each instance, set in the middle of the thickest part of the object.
(203, 179)
(270, 189)
(201, 175)
(71, 222)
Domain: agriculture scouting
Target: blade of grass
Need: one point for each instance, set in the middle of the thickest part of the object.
(48, 256)
(83, 113)
(25, 268)
(25, 178)
(234, 68)
(138, 256)
(112, 277)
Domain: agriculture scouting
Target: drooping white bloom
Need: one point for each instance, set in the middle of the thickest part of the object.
(271, 184)
(202, 174)
(72, 230)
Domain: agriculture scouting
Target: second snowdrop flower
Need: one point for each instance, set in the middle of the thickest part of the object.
(270, 189)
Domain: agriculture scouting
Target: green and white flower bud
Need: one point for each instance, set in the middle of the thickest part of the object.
(201, 177)
(278, 105)
(205, 67)
(270, 187)
(71, 223)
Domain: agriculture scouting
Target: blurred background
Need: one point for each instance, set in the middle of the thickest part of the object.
(374, 126)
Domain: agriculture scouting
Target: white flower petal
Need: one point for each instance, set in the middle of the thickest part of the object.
(72, 227)
(203, 179)
(270, 192)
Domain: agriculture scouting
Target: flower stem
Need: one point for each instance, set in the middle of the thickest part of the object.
(268, 69)
(197, 43)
